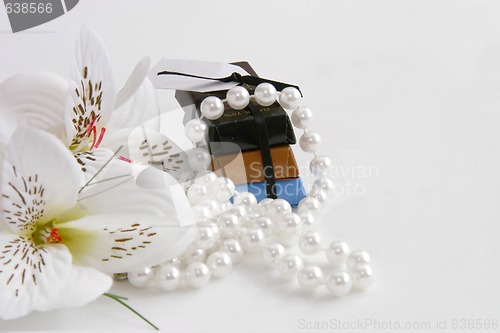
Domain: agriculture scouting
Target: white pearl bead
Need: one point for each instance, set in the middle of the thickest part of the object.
(199, 159)
(195, 130)
(272, 253)
(289, 98)
(287, 238)
(233, 248)
(324, 184)
(337, 253)
(176, 262)
(310, 278)
(224, 205)
(339, 283)
(168, 277)
(247, 200)
(362, 276)
(357, 257)
(308, 204)
(229, 225)
(265, 94)
(252, 240)
(262, 206)
(201, 213)
(320, 165)
(197, 274)
(205, 177)
(212, 225)
(278, 208)
(290, 265)
(251, 216)
(309, 142)
(205, 238)
(194, 255)
(290, 222)
(220, 264)
(239, 211)
(140, 278)
(307, 218)
(301, 117)
(238, 97)
(264, 223)
(310, 242)
(214, 206)
(318, 194)
(197, 193)
(212, 108)
(221, 189)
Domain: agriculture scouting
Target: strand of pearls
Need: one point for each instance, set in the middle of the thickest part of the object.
(270, 227)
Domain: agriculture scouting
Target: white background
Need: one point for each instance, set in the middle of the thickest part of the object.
(411, 88)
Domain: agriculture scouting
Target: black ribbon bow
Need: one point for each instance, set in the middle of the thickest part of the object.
(237, 77)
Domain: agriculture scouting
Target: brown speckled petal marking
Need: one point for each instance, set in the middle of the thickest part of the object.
(124, 241)
(87, 114)
(23, 201)
(129, 240)
(39, 182)
(29, 275)
(93, 161)
(152, 148)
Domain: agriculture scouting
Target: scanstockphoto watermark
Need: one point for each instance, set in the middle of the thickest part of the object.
(26, 14)
(371, 324)
(351, 179)
(348, 180)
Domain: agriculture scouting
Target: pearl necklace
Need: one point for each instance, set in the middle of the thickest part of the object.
(229, 230)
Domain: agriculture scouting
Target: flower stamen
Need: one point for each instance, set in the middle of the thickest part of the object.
(53, 237)
(123, 158)
(101, 136)
(92, 130)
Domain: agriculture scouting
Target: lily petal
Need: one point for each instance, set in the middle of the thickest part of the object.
(40, 180)
(116, 190)
(7, 128)
(115, 243)
(117, 139)
(149, 147)
(92, 161)
(30, 275)
(133, 83)
(84, 285)
(91, 91)
(141, 110)
(35, 100)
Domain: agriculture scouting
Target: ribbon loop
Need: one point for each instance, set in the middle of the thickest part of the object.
(237, 77)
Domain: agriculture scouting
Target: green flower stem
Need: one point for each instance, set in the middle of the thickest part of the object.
(121, 299)
(105, 164)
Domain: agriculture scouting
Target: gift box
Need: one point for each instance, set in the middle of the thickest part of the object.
(250, 146)
(248, 167)
(238, 126)
(291, 190)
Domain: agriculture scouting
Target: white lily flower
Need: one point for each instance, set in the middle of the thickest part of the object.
(85, 112)
(57, 243)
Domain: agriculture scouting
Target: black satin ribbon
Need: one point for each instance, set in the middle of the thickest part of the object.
(237, 77)
(265, 150)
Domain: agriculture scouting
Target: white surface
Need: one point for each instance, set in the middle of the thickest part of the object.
(409, 88)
